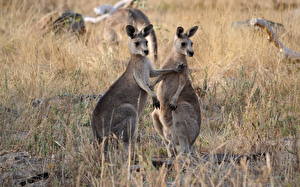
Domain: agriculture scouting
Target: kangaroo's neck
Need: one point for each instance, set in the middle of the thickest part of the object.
(135, 58)
(135, 61)
(178, 57)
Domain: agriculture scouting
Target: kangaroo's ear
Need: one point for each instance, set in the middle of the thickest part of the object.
(130, 30)
(179, 31)
(147, 30)
(192, 31)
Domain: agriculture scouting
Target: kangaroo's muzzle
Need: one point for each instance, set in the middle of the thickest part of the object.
(190, 53)
(146, 52)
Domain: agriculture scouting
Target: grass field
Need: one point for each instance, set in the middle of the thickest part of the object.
(251, 105)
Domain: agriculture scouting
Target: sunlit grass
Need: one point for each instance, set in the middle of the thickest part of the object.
(251, 104)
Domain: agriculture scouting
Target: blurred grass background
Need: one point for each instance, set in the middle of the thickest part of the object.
(252, 103)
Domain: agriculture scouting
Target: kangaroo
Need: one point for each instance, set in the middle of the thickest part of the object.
(114, 26)
(178, 120)
(118, 110)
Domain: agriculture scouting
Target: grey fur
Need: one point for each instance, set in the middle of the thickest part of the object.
(118, 110)
(178, 120)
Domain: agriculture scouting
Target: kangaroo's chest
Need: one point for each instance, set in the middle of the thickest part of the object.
(143, 70)
(169, 84)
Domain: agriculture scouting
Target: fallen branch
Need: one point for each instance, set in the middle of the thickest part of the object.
(217, 158)
(36, 178)
(105, 11)
(272, 30)
(277, 27)
(96, 19)
(109, 9)
(287, 53)
(20, 169)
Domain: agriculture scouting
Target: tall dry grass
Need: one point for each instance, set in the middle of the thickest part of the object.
(251, 105)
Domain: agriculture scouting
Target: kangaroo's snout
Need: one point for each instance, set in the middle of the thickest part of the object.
(190, 53)
(146, 52)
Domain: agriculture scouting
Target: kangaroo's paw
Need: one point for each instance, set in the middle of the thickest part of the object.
(180, 68)
(173, 104)
(156, 103)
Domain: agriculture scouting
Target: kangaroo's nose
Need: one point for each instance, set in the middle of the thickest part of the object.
(190, 53)
(146, 52)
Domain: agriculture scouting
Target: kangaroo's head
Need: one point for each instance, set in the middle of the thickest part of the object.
(138, 44)
(182, 42)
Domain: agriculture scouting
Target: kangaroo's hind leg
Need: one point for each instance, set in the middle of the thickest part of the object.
(157, 123)
(158, 126)
(180, 136)
(185, 127)
(123, 125)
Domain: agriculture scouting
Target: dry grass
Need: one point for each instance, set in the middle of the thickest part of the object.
(252, 103)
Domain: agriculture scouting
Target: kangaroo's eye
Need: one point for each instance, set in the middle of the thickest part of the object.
(146, 43)
(192, 44)
(137, 44)
(183, 44)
